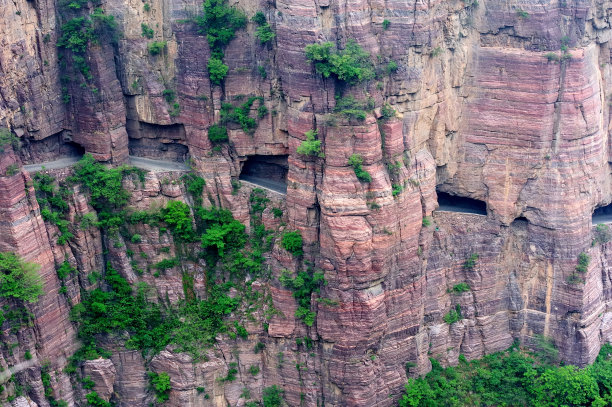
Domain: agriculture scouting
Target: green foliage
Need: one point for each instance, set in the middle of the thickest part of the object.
(311, 146)
(292, 242)
(277, 212)
(259, 18)
(178, 217)
(195, 186)
(511, 378)
(217, 134)
(356, 161)
(64, 270)
(156, 47)
(426, 221)
(8, 139)
(546, 349)
(453, 315)
(241, 114)
(583, 263)
(166, 264)
(262, 72)
(470, 262)
(461, 288)
(169, 95)
(88, 383)
(387, 111)
(219, 23)
(19, 279)
(231, 373)
(217, 70)
(160, 383)
(522, 14)
(385, 24)
(254, 370)
(551, 56)
(146, 31)
(147, 7)
(350, 65)
(396, 189)
(602, 234)
(76, 34)
(27, 355)
(392, 67)
(352, 108)
(259, 346)
(303, 285)
(96, 401)
(52, 201)
(272, 396)
(223, 232)
(264, 33)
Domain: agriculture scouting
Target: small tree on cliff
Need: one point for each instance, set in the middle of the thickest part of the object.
(19, 279)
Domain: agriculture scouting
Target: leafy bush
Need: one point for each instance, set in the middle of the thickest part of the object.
(392, 67)
(64, 270)
(156, 47)
(223, 232)
(385, 24)
(461, 288)
(241, 114)
(311, 146)
(350, 65)
(303, 285)
(254, 370)
(352, 108)
(356, 161)
(470, 262)
(217, 134)
(272, 396)
(387, 111)
(160, 383)
(96, 401)
(264, 33)
(219, 23)
(8, 139)
(76, 34)
(217, 70)
(146, 31)
(19, 279)
(178, 216)
(453, 315)
(583, 263)
(292, 242)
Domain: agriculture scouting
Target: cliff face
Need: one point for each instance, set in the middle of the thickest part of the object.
(505, 102)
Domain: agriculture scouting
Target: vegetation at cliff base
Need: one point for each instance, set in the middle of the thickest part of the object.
(513, 378)
(19, 279)
(160, 383)
(351, 65)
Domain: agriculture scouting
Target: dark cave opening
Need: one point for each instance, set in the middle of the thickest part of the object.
(158, 142)
(454, 203)
(55, 147)
(603, 214)
(269, 171)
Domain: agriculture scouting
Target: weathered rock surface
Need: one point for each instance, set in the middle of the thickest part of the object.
(482, 111)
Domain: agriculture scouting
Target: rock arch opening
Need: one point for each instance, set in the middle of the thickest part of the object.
(460, 204)
(158, 142)
(268, 171)
(603, 214)
(56, 147)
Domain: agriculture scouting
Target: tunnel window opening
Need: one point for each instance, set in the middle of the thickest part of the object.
(59, 146)
(266, 171)
(157, 142)
(71, 149)
(603, 214)
(454, 203)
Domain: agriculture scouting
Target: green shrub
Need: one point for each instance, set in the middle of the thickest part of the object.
(583, 263)
(27, 355)
(146, 31)
(387, 111)
(217, 134)
(8, 139)
(259, 18)
(166, 264)
(178, 216)
(303, 285)
(453, 315)
(292, 242)
(217, 70)
(241, 114)
(352, 108)
(231, 373)
(602, 234)
(219, 23)
(76, 34)
(96, 401)
(147, 7)
(156, 47)
(356, 161)
(254, 370)
(385, 24)
(272, 396)
(350, 65)
(160, 383)
(223, 232)
(19, 279)
(392, 67)
(259, 346)
(461, 288)
(88, 383)
(470, 262)
(262, 72)
(169, 95)
(277, 212)
(64, 270)
(426, 222)
(264, 33)
(522, 14)
(311, 146)
(551, 56)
